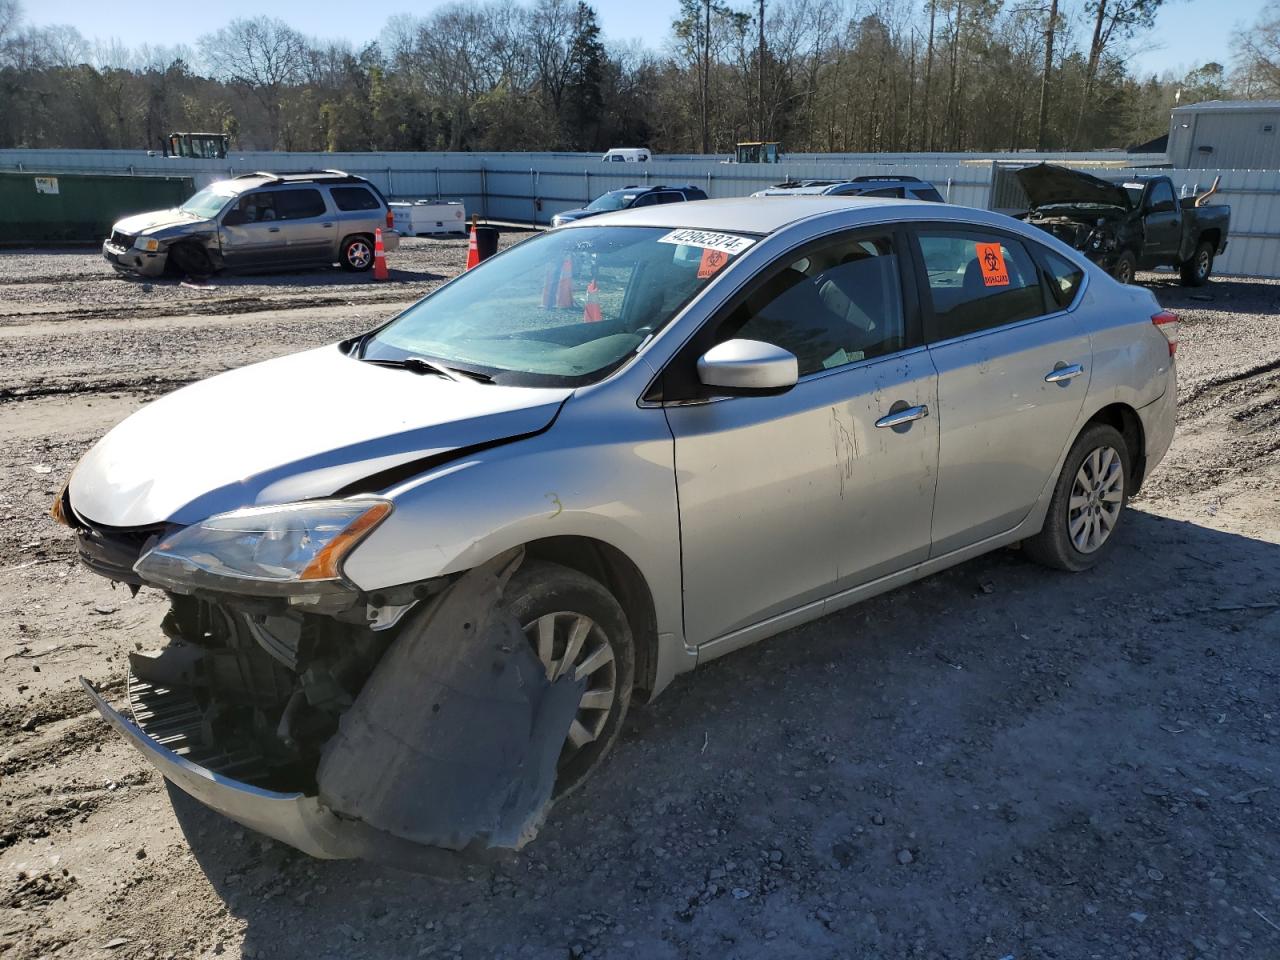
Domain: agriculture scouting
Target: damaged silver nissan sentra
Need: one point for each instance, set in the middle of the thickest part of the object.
(416, 577)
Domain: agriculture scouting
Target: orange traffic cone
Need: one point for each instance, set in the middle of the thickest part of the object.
(379, 256)
(564, 295)
(591, 311)
(473, 248)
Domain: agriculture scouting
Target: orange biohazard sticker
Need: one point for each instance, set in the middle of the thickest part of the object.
(991, 258)
(712, 261)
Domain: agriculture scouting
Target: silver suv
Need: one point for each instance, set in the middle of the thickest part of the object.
(258, 221)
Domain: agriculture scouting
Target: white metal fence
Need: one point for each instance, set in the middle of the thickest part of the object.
(532, 187)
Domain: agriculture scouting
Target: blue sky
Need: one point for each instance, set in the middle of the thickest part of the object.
(1188, 32)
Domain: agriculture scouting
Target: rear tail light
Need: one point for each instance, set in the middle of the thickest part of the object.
(1167, 323)
(391, 219)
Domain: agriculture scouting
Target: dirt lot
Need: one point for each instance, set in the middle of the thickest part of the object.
(997, 762)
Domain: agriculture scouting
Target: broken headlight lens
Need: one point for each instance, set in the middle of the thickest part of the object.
(294, 550)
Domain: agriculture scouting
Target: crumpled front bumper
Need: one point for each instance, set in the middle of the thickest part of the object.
(291, 818)
(134, 260)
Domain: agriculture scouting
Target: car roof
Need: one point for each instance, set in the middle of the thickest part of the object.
(744, 214)
(264, 178)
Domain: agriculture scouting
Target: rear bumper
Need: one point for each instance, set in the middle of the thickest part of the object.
(134, 260)
(1159, 419)
(291, 818)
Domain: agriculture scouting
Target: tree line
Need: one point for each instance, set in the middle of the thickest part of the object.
(817, 75)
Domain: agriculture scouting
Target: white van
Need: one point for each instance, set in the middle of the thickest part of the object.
(626, 155)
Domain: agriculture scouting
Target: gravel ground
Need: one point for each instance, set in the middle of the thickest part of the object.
(996, 762)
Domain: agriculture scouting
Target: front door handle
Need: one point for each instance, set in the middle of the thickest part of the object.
(326, 224)
(273, 229)
(905, 415)
(1063, 373)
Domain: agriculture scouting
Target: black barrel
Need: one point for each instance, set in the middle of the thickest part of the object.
(486, 242)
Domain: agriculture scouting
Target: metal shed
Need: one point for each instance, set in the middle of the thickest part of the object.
(1230, 134)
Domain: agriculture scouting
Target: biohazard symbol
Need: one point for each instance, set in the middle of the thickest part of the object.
(712, 261)
(991, 259)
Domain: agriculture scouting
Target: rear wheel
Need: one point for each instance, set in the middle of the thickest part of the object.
(357, 253)
(1125, 267)
(1195, 272)
(577, 628)
(1088, 502)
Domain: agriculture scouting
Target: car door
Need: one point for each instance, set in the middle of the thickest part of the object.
(250, 234)
(307, 225)
(785, 499)
(1013, 369)
(1163, 222)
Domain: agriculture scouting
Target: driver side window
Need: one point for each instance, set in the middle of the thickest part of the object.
(840, 304)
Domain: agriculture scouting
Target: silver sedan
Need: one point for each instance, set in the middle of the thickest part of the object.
(417, 577)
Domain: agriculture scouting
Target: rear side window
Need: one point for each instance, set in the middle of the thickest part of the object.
(355, 198)
(926, 193)
(298, 204)
(884, 192)
(978, 281)
(1064, 277)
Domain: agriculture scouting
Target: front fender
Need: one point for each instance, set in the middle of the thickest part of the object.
(615, 484)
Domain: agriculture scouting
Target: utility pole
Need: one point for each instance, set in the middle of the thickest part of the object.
(760, 131)
(706, 72)
(1041, 144)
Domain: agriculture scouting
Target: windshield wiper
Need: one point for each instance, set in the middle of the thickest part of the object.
(423, 365)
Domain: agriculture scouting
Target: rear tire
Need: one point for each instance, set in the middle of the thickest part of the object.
(1126, 266)
(1195, 272)
(1088, 502)
(563, 611)
(356, 253)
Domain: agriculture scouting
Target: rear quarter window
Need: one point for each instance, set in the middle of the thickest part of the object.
(1064, 277)
(355, 198)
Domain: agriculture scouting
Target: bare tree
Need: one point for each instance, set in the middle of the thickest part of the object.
(264, 56)
(1257, 54)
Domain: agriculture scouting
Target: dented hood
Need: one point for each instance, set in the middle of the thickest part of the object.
(298, 427)
(143, 223)
(1048, 185)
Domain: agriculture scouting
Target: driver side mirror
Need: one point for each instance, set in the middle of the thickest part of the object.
(233, 218)
(1161, 206)
(748, 368)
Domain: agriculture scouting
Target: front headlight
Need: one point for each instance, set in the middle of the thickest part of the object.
(150, 244)
(292, 551)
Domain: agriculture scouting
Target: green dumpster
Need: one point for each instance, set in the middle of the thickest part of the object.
(66, 208)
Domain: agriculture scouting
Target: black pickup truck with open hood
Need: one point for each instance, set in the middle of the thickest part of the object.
(1127, 225)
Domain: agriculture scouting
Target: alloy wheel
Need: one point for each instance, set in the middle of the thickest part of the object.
(1096, 499)
(573, 644)
(1124, 273)
(358, 254)
(1203, 264)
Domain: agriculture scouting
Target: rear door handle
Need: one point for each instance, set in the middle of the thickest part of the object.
(1063, 373)
(273, 229)
(906, 415)
(326, 224)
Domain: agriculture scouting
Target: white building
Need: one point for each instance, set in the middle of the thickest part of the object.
(1226, 135)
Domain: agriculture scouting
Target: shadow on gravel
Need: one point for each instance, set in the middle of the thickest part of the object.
(999, 760)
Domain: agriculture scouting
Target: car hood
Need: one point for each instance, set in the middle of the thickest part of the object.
(144, 223)
(301, 426)
(1047, 184)
(577, 214)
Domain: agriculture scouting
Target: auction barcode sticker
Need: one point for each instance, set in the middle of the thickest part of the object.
(724, 242)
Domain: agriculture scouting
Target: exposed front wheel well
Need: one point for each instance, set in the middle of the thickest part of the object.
(1125, 419)
(613, 568)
